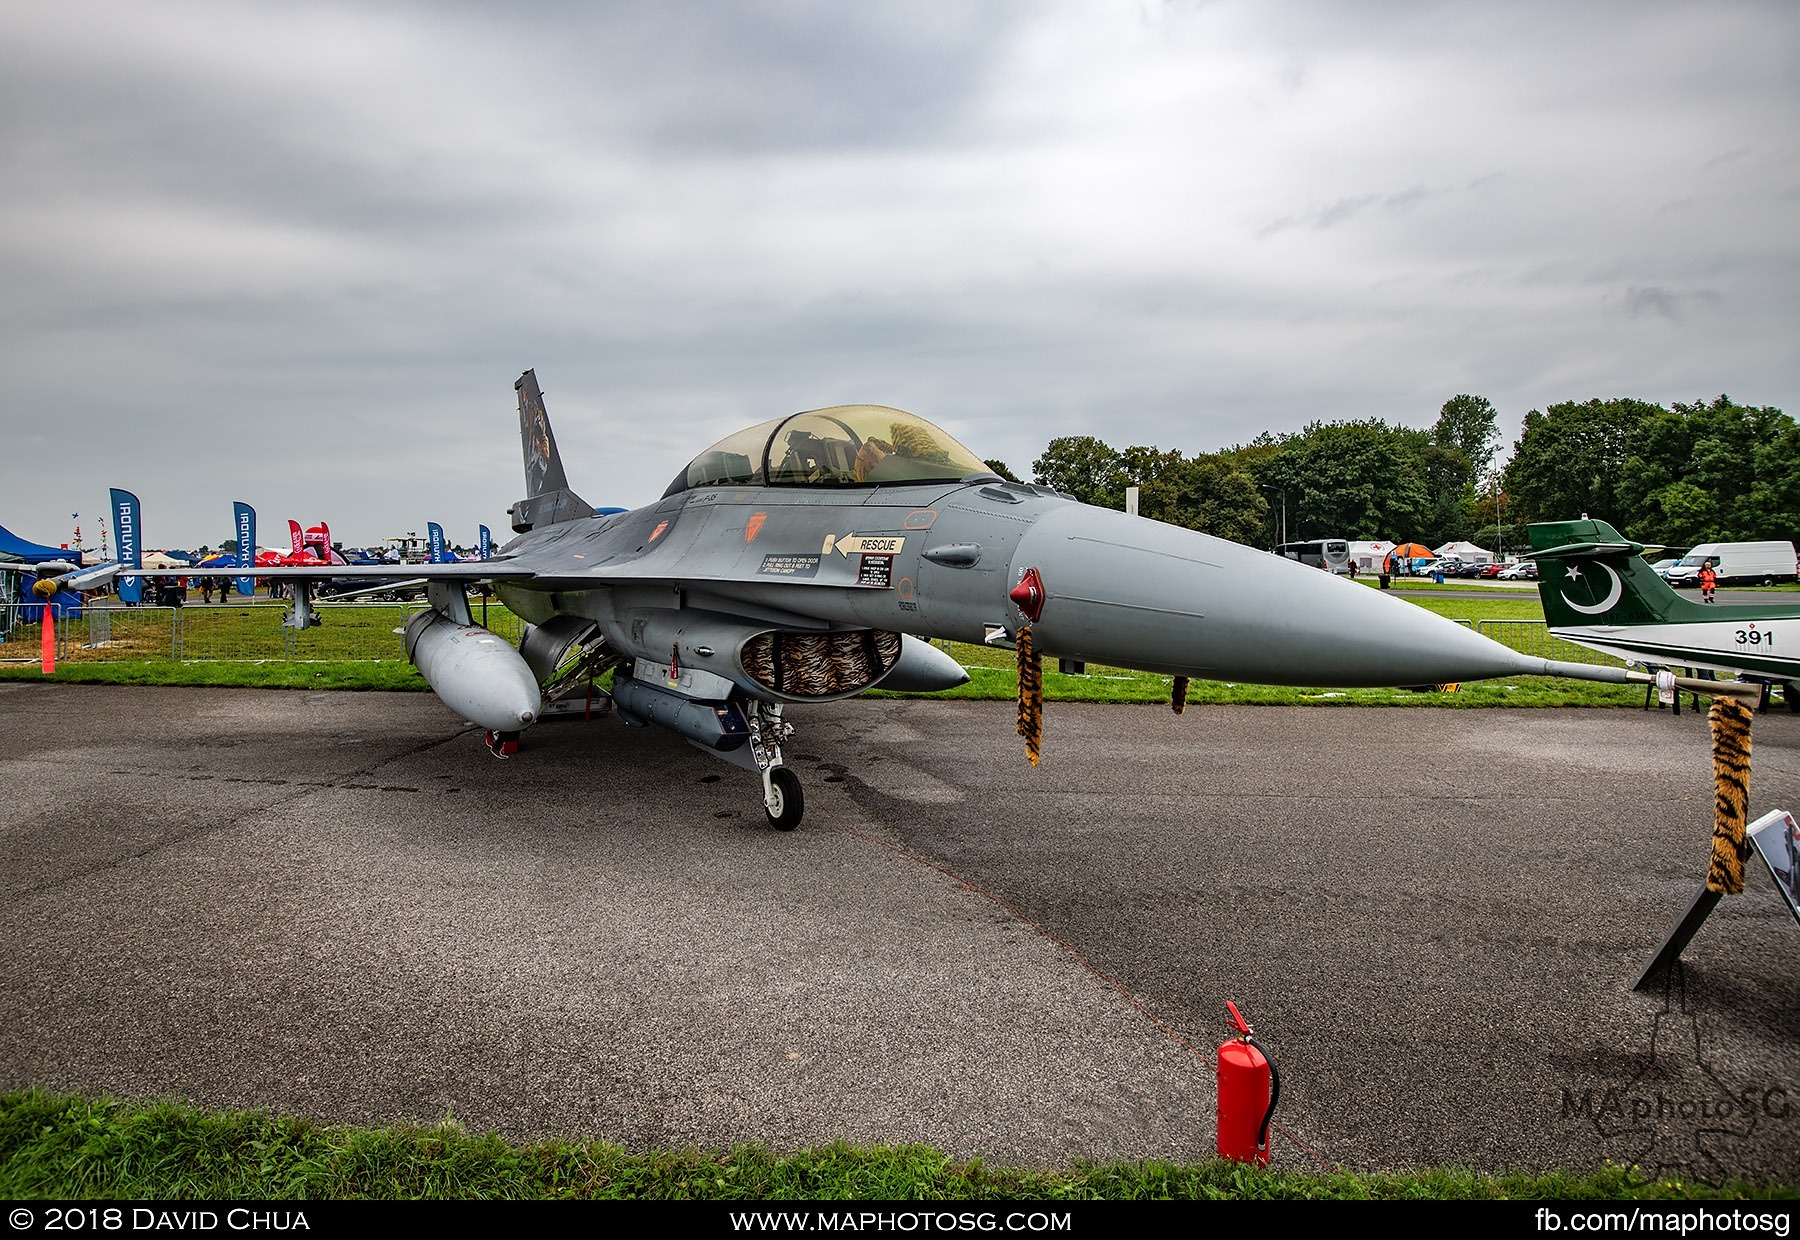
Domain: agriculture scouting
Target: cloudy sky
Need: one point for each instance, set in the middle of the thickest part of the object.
(296, 253)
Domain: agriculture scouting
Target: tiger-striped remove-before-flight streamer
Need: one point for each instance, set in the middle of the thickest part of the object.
(1731, 795)
(1031, 695)
(1178, 694)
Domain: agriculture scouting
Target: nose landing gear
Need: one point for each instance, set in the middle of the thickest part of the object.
(782, 798)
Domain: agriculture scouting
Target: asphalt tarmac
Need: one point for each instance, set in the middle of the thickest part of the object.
(337, 905)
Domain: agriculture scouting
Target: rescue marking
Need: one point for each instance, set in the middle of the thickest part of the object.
(879, 544)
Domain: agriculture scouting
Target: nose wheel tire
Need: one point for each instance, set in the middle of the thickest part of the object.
(785, 802)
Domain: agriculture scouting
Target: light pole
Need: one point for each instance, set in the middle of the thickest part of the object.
(1499, 530)
(1278, 491)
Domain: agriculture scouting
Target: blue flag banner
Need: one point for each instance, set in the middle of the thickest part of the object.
(435, 532)
(486, 544)
(243, 517)
(126, 532)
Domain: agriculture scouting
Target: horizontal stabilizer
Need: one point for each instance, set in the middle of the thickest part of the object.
(1589, 550)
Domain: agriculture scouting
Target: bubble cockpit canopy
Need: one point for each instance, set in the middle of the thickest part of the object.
(846, 446)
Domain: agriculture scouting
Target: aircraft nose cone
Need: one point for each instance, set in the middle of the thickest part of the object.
(1124, 590)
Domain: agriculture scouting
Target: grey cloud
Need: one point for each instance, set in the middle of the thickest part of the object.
(1668, 303)
(303, 266)
(766, 78)
(1345, 209)
(1341, 210)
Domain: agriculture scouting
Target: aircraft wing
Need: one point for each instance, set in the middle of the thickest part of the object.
(66, 575)
(480, 570)
(39, 566)
(378, 576)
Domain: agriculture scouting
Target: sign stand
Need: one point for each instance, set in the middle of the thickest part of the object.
(1777, 840)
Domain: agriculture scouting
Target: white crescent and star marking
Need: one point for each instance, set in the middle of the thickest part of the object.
(1613, 595)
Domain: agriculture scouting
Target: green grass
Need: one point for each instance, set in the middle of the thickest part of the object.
(1470, 607)
(246, 647)
(995, 682)
(62, 1147)
(245, 674)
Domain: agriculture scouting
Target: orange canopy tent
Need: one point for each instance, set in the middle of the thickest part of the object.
(1401, 558)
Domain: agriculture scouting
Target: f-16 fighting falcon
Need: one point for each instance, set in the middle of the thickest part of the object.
(803, 560)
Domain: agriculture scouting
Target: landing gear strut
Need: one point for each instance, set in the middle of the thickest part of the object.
(782, 799)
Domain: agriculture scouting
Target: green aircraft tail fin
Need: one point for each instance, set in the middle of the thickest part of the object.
(1588, 574)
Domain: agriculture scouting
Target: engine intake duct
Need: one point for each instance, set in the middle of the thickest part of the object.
(546, 647)
(820, 665)
(713, 653)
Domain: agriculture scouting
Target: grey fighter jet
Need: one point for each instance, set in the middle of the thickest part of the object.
(805, 559)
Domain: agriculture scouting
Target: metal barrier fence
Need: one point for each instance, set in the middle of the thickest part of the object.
(371, 631)
(1532, 637)
(226, 632)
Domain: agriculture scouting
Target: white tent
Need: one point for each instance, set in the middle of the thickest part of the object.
(1467, 552)
(1369, 556)
(156, 559)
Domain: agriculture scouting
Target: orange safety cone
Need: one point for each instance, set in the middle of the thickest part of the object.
(48, 651)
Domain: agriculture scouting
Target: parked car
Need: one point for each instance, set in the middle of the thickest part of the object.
(1490, 571)
(1524, 570)
(1662, 567)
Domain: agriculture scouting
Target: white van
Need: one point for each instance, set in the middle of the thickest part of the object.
(1737, 563)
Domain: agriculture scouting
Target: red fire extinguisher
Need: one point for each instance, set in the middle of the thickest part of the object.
(1248, 1090)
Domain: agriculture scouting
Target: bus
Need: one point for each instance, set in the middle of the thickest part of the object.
(1332, 554)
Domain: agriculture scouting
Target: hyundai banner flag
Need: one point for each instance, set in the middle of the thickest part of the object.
(126, 530)
(244, 520)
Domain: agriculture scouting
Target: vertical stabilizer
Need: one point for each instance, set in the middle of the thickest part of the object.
(1598, 591)
(548, 499)
(1589, 575)
(543, 464)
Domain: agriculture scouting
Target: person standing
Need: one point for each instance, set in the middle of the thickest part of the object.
(1708, 580)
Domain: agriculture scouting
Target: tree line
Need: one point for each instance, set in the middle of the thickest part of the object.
(1676, 476)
